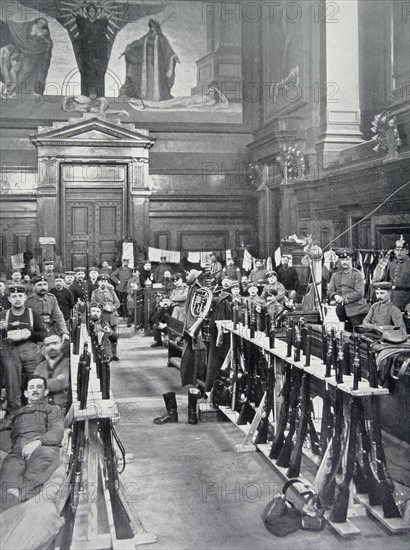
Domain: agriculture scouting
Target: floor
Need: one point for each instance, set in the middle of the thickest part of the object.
(187, 482)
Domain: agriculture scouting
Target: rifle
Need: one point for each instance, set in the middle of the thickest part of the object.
(339, 511)
(76, 468)
(390, 509)
(235, 373)
(105, 378)
(325, 479)
(279, 439)
(314, 438)
(328, 371)
(308, 346)
(247, 411)
(77, 332)
(340, 363)
(83, 376)
(122, 523)
(324, 344)
(298, 343)
(252, 324)
(289, 338)
(296, 456)
(285, 454)
(346, 355)
(261, 434)
(326, 426)
(365, 479)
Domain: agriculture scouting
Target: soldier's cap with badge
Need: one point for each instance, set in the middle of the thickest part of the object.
(95, 304)
(16, 270)
(103, 277)
(235, 284)
(401, 243)
(70, 272)
(48, 262)
(78, 269)
(251, 284)
(382, 285)
(12, 288)
(58, 276)
(51, 339)
(176, 276)
(93, 269)
(344, 252)
(38, 279)
(271, 273)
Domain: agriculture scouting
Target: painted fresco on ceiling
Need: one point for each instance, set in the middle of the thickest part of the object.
(174, 61)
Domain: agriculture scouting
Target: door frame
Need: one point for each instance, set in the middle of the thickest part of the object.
(125, 214)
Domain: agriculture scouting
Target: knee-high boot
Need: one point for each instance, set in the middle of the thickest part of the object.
(172, 411)
(193, 395)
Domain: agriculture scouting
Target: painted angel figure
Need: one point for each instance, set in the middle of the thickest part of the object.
(92, 27)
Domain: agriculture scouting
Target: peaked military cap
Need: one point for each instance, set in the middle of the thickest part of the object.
(103, 277)
(70, 272)
(16, 288)
(382, 285)
(58, 276)
(95, 304)
(39, 278)
(77, 269)
(344, 252)
(270, 273)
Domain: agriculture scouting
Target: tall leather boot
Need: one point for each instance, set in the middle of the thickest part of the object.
(172, 411)
(193, 395)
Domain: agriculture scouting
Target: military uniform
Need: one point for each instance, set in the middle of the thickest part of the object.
(398, 273)
(232, 272)
(179, 297)
(20, 358)
(280, 289)
(42, 422)
(350, 286)
(384, 314)
(47, 307)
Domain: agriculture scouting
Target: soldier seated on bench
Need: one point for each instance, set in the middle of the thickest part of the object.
(36, 434)
(158, 320)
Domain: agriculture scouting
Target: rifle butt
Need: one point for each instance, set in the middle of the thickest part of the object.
(389, 505)
(339, 511)
(246, 415)
(294, 466)
(277, 446)
(285, 454)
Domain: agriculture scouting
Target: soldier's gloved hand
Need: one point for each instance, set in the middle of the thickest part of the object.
(338, 299)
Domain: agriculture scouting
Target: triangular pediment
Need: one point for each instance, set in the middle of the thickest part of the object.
(93, 131)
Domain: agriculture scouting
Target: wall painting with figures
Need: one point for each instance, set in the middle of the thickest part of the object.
(175, 61)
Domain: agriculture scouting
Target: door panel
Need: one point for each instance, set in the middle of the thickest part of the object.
(94, 221)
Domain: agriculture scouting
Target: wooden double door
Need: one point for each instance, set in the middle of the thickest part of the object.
(94, 222)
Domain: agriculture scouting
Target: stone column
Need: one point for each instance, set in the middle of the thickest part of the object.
(338, 88)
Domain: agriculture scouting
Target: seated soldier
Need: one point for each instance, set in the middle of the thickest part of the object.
(158, 320)
(131, 286)
(274, 308)
(258, 275)
(101, 328)
(383, 313)
(273, 284)
(231, 271)
(253, 297)
(36, 434)
(56, 370)
(178, 297)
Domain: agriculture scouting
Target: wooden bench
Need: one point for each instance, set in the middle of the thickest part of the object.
(175, 342)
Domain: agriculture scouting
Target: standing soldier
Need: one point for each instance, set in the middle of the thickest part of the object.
(287, 275)
(120, 277)
(231, 271)
(48, 273)
(346, 288)
(4, 301)
(109, 302)
(79, 288)
(45, 304)
(92, 282)
(398, 274)
(64, 296)
(23, 329)
(69, 278)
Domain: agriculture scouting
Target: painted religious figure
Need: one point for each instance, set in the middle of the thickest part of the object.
(150, 66)
(93, 27)
(25, 55)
